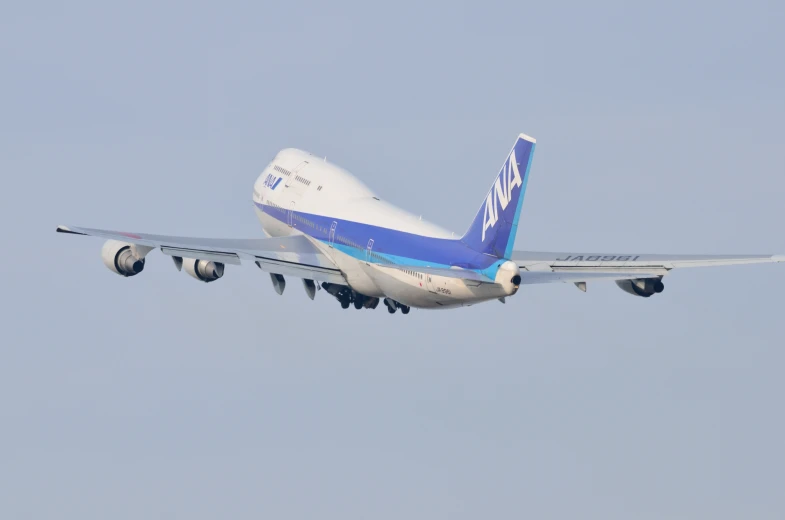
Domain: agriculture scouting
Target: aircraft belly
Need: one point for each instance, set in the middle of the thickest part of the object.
(445, 293)
(410, 291)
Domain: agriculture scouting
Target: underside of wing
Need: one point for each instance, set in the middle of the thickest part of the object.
(294, 255)
(637, 274)
(538, 261)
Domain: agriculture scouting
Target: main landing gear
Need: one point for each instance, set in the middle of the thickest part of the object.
(393, 305)
(348, 297)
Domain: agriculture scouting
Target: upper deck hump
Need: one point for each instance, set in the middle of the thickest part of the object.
(340, 182)
(346, 197)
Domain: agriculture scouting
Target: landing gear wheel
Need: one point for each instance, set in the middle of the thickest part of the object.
(345, 304)
(358, 304)
(405, 309)
(391, 310)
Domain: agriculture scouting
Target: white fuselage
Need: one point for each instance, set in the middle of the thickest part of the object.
(299, 193)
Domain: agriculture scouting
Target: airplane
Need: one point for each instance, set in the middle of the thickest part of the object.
(324, 226)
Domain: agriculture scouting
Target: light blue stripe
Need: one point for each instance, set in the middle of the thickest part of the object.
(405, 248)
(403, 261)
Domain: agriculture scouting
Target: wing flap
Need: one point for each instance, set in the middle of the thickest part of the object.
(300, 270)
(201, 254)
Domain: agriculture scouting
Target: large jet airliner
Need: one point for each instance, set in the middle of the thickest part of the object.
(327, 228)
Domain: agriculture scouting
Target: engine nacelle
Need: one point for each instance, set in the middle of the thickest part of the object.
(643, 287)
(203, 270)
(121, 258)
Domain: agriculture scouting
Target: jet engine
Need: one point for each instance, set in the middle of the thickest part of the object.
(643, 287)
(203, 270)
(122, 258)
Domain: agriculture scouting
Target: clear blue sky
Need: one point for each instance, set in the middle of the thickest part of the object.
(660, 129)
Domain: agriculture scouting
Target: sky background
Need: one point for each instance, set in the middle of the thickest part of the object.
(660, 129)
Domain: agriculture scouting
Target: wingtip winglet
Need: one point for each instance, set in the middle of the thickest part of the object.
(66, 229)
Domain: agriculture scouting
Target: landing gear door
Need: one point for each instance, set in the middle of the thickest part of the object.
(290, 215)
(368, 252)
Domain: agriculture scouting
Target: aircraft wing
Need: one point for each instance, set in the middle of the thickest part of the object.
(294, 255)
(545, 267)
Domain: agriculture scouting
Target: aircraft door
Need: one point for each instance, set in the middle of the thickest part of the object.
(429, 283)
(331, 237)
(291, 178)
(368, 252)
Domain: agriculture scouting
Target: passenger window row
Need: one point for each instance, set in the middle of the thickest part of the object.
(302, 180)
(282, 171)
(309, 223)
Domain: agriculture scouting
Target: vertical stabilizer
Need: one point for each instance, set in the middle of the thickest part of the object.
(493, 230)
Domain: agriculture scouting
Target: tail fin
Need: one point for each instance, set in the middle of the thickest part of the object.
(493, 230)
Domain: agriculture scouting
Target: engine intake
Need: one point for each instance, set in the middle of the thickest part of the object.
(643, 287)
(121, 258)
(203, 270)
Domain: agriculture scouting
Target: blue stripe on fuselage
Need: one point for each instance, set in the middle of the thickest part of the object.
(397, 247)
